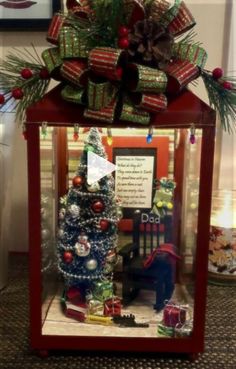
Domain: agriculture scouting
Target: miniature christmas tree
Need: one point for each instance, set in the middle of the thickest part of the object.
(88, 224)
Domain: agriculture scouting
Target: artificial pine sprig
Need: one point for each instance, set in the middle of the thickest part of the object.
(23, 81)
(222, 96)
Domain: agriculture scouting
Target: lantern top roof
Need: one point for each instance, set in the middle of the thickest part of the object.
(183, 110)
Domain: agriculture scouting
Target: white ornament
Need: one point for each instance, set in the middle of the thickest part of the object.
(91, 264)
(74, 211)
(45, 234)
(62, 214)
(60, 233)
(82, 249)
(94, 187)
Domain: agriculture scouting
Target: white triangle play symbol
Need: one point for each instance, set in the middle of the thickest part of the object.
(98, 168)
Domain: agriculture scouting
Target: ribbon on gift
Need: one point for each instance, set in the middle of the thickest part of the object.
(114, 87)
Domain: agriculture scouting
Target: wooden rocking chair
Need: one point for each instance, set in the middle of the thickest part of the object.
(149, 233)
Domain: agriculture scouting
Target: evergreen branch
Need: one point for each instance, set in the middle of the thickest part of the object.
(189, 39)
(222, 99)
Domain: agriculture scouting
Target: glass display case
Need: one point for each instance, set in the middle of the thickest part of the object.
(119, 228)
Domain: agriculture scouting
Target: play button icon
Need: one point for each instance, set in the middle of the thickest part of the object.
(98, 168)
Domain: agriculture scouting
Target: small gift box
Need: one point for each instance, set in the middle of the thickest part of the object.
(164, 331)
(76, 312)
(75, 296)
(103, 290)
(112, 307)
(173, 315)
(184, 330)
(95, 307)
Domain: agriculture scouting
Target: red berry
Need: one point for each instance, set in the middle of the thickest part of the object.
(2, 99)
(17, 93)
(123, 31)
(227, 85)
(26, 73)
(44, 73)
(217, 73)
(123, 43)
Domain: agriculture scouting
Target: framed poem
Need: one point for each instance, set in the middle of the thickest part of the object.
(134, 177)
(27, 15)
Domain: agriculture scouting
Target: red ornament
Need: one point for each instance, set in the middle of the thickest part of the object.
(77, 181)
(44, 74)
(67, 257)
(17, 93)
(26, 73)
(123, 31)
(119, 72)
(98, 206)
(227, 85)
(2, 99)
(104, 224)
(123, 43)
(217, 73)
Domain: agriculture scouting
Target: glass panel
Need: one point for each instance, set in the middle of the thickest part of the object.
(125, 240)
(48, 218)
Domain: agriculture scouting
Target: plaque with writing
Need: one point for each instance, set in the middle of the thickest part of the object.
(136, 170)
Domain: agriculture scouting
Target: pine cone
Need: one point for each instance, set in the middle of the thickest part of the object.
(151, 43)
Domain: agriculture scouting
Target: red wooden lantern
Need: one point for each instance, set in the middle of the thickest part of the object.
(171, 156)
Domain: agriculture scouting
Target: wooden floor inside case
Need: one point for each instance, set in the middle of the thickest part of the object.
(57, 324)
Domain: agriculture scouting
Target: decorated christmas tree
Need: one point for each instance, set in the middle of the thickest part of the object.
(88, 216)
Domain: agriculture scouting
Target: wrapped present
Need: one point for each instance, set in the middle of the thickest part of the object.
(75, 296)
(76, 312)
(95, 307)
(112, 307)
(103, 290)
(184, 330)
(165, 331)
(74, 304)
(173, 314)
